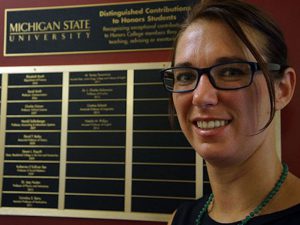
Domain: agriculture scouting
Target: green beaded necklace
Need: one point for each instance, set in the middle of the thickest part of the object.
(258, 209)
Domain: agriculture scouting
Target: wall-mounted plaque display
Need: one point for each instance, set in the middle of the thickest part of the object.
(131, 26)
(93, 141)
(105, 127)
(32, 140)
(157, 172)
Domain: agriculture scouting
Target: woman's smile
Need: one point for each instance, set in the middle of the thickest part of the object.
(211, 124)
(209, 128)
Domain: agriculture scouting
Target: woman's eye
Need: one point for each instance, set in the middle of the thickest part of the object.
(231, 73)
(185, 77)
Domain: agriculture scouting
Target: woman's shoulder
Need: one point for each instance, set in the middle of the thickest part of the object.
(289, 216)
(188, 211)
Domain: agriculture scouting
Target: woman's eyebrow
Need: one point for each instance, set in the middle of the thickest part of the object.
(227, 59)
(183, 64)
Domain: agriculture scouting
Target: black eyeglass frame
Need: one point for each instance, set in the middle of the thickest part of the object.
(254, 66)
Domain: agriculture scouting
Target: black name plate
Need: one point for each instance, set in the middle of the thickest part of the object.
(35, 79)
(30, 200)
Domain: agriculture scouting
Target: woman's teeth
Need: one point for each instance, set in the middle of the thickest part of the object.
(211, 124)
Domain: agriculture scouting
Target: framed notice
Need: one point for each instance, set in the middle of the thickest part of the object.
(93, 141)
(131, 26)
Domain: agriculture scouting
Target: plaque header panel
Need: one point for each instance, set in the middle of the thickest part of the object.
(132, 26)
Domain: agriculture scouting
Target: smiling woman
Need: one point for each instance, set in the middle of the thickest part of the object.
(227, 84)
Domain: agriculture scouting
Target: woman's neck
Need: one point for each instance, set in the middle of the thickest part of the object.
(239, 189)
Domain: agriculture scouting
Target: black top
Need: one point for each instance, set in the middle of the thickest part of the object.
(187, 213)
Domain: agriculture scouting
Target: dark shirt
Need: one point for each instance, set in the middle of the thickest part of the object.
(187, 213)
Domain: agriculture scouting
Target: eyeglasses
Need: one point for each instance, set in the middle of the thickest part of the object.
(224, 76)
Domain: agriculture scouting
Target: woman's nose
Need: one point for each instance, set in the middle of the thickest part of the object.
(205, 95)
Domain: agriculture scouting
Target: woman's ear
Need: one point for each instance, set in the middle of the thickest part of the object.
(284, 88)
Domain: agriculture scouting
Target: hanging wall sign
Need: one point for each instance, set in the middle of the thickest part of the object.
(139, 26)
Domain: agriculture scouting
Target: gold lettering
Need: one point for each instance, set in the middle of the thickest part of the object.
(34, 27)
(132, 20)
(77, 25)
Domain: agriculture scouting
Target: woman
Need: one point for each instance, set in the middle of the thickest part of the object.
(229, 77)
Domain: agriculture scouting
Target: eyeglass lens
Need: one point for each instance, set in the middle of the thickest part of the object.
(223, 76)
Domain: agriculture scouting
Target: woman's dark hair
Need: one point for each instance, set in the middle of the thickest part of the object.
(236, 13)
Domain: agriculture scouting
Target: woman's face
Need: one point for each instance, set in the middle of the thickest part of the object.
(234, 117)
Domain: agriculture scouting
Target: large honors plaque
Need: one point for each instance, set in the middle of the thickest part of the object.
(93, 142)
